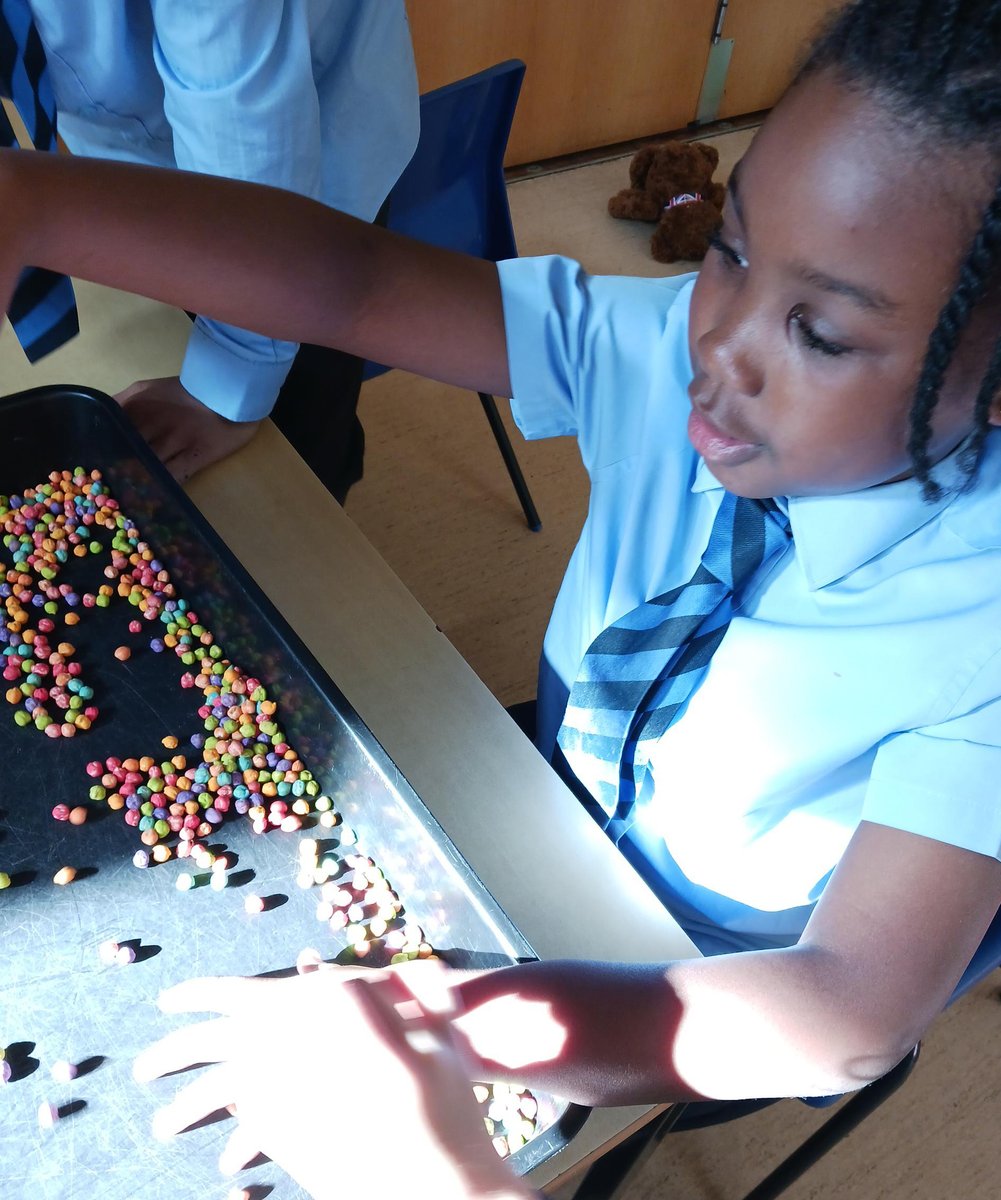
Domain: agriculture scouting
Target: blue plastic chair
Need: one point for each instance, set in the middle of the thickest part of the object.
(610, 1171)
(453, 194)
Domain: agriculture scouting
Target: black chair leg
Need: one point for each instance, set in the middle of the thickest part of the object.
(607, 1175)
(513, 469)
(851, 1114)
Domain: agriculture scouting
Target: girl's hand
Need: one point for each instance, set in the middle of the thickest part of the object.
(322, 1113)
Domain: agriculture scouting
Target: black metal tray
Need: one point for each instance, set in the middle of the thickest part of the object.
(58, 1001)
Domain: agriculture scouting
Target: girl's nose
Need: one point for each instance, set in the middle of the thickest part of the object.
(731, 359)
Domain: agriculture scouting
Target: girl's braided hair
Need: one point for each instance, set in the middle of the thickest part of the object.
(935, 65)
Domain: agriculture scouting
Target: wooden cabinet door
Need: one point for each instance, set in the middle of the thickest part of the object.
(599, 71)
(769, 39)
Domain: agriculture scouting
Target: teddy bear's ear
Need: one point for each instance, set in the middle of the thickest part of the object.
(709, 153)
(640, 165)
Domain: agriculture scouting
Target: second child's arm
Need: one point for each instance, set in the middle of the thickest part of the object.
(257, 257)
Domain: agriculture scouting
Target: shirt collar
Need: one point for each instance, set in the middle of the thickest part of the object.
(834, 535)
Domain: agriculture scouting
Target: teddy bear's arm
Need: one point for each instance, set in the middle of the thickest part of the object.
(633, 204)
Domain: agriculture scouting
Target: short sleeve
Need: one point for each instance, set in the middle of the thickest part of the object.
(545, 301)
(582, 349)
(944, 781)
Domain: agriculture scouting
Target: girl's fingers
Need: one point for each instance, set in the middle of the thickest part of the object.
(207, 1094)
(241, 1148)
(207, 1042)
(232, 995)
(379, 1004)
(431, 985)
(228, 994)
(377, 1000)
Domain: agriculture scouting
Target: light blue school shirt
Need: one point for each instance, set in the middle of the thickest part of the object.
(315, 96)
(860, 677)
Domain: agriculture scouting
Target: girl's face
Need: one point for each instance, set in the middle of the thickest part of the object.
(810, 320)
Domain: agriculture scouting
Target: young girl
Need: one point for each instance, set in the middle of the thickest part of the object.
(806, 772)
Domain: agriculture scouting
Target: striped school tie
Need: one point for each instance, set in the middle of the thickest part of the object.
(43, 309)
(639, 673)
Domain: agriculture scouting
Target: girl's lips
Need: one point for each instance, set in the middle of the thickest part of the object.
(715, 446)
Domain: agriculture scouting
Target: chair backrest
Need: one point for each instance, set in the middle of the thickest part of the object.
(452, 193)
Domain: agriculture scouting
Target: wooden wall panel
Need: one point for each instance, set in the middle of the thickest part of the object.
(769, 36)
(599, 71)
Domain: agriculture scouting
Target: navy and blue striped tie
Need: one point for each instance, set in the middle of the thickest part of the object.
(639, 673)
(43, 309)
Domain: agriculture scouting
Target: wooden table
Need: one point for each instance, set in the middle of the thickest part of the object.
(502, 806)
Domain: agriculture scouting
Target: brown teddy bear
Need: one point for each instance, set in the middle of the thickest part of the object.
(672, 185)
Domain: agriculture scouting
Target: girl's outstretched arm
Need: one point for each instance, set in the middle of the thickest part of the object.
(890, 937)
(257, 257)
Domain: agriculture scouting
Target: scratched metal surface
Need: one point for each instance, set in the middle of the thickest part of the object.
(57, 1000)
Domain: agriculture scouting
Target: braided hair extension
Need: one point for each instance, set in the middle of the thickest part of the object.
(935, 66)
(945, 36)
(975, 276)
(989, 387)
(911, 24)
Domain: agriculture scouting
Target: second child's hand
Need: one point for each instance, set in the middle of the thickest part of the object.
(184, 434)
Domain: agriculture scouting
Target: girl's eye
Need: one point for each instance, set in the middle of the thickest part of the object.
(730, 256)
(811, 339)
